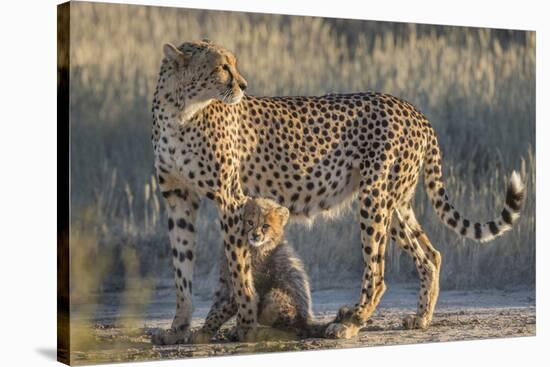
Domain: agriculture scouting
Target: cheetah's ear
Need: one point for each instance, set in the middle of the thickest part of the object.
(284, 213)
(175, 55)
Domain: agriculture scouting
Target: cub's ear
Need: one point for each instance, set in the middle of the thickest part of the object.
(175, 55)
(284, 213)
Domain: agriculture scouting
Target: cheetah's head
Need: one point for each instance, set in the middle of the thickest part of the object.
(264, 221)
(201, 72)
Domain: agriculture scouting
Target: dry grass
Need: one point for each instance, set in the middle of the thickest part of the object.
(476, 86)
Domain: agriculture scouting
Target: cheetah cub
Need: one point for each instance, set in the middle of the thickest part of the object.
(282, 285)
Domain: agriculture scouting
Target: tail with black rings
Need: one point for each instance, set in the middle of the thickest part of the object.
(452, 218)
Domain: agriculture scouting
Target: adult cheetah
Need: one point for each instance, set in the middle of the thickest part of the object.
(311, 155)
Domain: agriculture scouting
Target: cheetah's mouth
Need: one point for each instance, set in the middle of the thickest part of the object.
(255, 243)
(229, 97)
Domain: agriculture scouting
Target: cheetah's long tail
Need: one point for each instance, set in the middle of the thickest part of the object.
(483, 232)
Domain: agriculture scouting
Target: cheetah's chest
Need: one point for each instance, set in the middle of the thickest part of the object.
(188, 155)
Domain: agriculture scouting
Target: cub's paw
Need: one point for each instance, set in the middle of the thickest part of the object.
(415, 322)
(171, 337)
(200, 337)
(274, 334)
(243, 334)
(341, 331)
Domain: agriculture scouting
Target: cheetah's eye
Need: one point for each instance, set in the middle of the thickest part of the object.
(250, 223)
(225, 67)
(265, 227)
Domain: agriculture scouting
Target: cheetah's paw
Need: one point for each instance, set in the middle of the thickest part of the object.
(341, 331)
(243, 334)
(415, 322)
(171, 337)
(200, 337)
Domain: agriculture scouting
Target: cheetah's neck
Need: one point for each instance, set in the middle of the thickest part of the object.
(173, 113)
(191, 110)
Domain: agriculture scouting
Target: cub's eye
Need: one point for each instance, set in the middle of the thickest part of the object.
(225, 67)
(250, 223)
(265, 227)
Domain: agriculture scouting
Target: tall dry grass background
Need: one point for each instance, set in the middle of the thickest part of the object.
(476, 86)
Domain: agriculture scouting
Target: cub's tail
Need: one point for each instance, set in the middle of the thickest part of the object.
(515, 196)
(313, 330)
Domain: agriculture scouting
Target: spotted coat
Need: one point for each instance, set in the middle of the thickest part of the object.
(312, 155)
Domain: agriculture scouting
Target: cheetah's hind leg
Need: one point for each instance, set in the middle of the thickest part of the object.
(374, 219)
(408, 234)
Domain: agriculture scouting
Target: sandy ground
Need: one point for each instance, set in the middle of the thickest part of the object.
(124, 334)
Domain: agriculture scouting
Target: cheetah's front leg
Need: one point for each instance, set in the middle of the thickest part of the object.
(223, 308)
(238, 261)
(181, 205)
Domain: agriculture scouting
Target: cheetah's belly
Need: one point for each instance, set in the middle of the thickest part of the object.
(324, 191)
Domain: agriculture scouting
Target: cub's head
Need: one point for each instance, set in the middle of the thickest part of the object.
(264, 221)
(201, 71)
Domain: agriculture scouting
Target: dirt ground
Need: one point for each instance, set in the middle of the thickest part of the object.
(118, 335)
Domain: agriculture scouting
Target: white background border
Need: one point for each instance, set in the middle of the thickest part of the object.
(28, 182)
